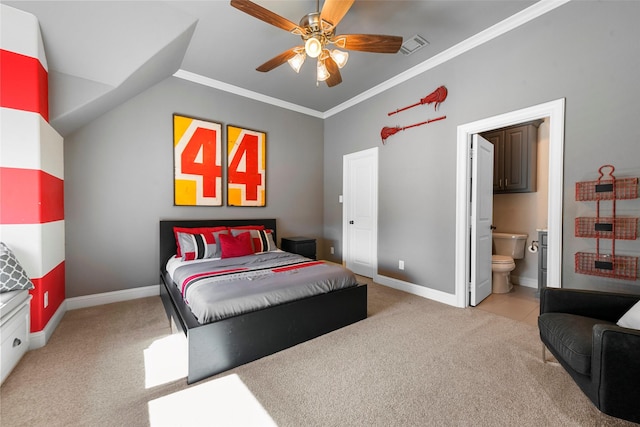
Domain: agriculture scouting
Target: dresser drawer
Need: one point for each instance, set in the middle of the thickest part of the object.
(15, 341)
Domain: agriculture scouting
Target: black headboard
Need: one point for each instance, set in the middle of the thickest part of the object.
(168, 240)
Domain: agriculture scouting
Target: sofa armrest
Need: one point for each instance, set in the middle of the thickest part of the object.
(599, 305)
(615, 370)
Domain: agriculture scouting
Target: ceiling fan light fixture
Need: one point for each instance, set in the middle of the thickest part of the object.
(340, 57)
(322, 72)
(313, 47)
(297, 61)
(318, 31)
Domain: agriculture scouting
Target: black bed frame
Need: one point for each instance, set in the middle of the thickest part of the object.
(225, 344)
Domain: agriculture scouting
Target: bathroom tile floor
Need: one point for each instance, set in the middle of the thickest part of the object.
(520, 304)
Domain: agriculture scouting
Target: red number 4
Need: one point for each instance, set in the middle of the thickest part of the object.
(245, 166)
(199, 158)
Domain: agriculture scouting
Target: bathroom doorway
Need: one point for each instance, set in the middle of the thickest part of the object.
(527, 212)
(554, 111)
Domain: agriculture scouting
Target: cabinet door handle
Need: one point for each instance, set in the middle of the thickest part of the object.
(506, 182)
(350, 222)
(16, 342)
(500, 183)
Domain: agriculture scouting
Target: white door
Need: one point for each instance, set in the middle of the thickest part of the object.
(360, 207)
(481, 218)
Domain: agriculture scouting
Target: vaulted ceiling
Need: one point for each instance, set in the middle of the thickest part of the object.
(101, 53)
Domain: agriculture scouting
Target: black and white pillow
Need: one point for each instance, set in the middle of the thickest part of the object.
(200, 245)
(261, 240)
(12, 275)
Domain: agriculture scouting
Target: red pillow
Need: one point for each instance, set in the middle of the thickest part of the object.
(235, 246)
(193, 230)
(262, 240)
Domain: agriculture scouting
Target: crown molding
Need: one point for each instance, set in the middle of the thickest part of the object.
(236, 90)
(502, 27)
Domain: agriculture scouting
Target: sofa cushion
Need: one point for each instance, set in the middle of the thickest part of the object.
(570, 336)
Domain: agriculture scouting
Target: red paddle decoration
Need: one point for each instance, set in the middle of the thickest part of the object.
(386, 132)
(438, 96)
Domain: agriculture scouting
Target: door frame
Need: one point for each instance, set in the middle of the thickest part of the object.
(555, 111)
(373, 154)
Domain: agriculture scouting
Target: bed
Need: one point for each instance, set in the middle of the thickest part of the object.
(223, 344)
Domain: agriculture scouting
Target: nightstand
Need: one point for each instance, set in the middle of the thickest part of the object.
(304, 246)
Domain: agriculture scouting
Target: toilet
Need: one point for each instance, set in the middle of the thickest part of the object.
(507, 247)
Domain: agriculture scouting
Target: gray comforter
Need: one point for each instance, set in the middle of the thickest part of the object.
(223, 288)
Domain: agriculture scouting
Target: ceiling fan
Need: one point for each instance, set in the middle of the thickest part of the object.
(317, 30)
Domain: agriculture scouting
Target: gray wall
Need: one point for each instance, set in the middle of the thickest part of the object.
(119, 181)
(586, 52)
(119, 168)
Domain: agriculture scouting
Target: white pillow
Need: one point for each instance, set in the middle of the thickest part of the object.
(631, 318)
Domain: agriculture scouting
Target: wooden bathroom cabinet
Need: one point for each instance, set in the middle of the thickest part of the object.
(515, 157)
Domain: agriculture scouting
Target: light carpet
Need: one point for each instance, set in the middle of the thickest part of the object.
(412, 362)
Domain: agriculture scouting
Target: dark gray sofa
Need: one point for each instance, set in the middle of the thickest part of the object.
(579, 328)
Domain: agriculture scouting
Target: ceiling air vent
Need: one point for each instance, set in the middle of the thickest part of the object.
(413, 44)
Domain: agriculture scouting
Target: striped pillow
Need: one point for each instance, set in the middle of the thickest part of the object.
(261, 240)
(192, 230)
(200, 245)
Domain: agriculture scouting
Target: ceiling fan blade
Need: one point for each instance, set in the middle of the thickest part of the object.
(277, 60)
(334, 10)
(369, 42)
(257, 11)
(334, 72)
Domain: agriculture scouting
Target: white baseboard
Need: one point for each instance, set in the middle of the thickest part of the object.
(111, 297)
(421, 291)
(40, 339)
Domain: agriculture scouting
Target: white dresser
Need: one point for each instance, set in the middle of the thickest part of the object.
(14, 329)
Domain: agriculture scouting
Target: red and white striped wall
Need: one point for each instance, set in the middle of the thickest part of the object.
(31, 166)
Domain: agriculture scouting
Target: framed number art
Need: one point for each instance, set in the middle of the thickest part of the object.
(246, 165)
(197, 151)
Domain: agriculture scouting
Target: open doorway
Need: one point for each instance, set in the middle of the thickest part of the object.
(520, 206)
(554, 110)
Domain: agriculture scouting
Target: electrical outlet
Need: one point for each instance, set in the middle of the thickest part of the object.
(401, 265)
(332, 250)
(46, 299)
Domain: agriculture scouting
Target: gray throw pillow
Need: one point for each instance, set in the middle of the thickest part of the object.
(12, 275)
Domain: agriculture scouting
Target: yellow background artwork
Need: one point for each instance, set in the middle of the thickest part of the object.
(246, 167)
(197, 148)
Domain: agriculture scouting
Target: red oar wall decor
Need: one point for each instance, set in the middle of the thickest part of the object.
(386, 132)
(438, 96)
